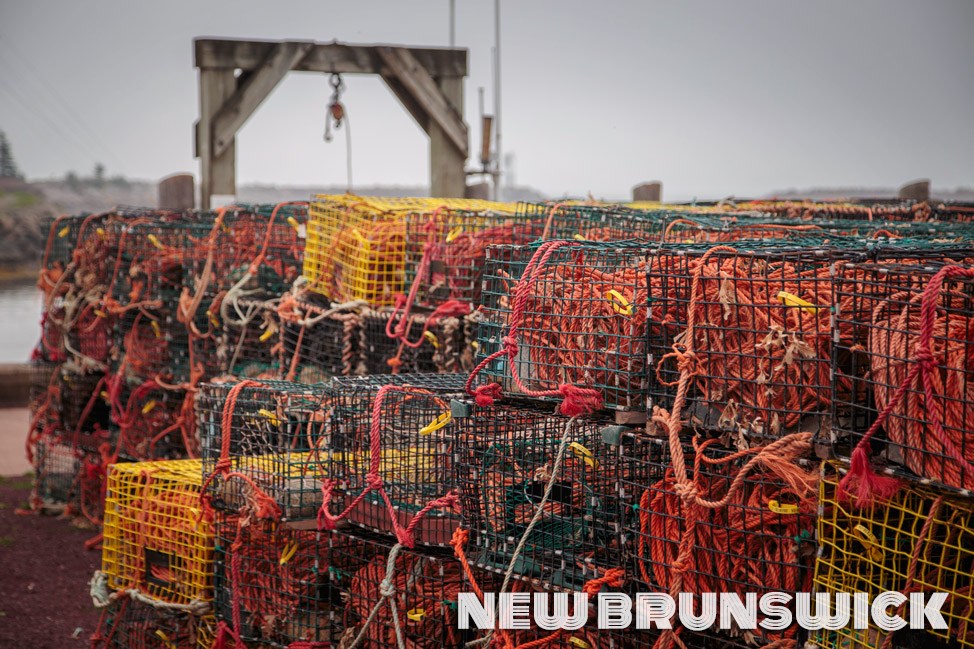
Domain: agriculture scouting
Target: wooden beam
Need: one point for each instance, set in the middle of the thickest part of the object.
(249, 94)
(217, 173)
(421, 116)
(423, 88)
(447, 177)
(323, 57)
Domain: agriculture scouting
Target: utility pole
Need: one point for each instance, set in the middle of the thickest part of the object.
(453, 23)
(498, 152)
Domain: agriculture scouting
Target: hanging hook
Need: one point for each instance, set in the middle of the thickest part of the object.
(336, 111)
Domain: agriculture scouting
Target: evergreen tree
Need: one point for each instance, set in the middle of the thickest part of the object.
(8, 167)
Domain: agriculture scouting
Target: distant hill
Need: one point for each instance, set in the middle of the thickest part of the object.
(836, 193)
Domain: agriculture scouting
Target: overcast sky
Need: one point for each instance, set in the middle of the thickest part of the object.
(714, 98)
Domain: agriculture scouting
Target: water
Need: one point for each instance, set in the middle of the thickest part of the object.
(20, 316)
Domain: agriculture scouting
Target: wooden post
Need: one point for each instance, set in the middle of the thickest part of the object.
(177, 192)
(447, 177)
(217, 173)
(651, 191)
(918, 190)
(478, 190)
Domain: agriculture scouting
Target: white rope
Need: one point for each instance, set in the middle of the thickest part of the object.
(102, 597)
(387, 593)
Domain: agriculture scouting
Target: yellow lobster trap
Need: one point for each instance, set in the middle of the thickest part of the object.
(156, 539)
(356, 245)
(921, 541)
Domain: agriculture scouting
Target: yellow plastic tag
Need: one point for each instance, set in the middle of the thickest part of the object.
(437, 423)
(264, 337)
(869, 541)
(416, 614)
(796, 302)
(619, 303)
(154, 240)
(100, 314)
(782, 508)
(293, 222)
(104, 395)
(579, 237)
(147, 408)
(288, 552)
(213, 320)
(100, 232)
(155, 328)
(165, 639)
(431, 338)
(584, 454)
(454, 233)
(270, 416)
(63, 232)
(578, 642)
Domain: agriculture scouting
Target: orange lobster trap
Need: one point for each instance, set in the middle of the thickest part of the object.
(920, 540)
(356, 246)
(158, 539)
(905, 335)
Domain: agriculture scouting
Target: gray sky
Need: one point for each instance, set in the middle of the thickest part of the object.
(712, 97)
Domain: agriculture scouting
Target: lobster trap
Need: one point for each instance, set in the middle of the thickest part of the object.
(265, 242)
(919, 541)
(278, 579)
(149, 421)
(397, 430)
(422, 605)
(543, 479)
(749, 333)
(431, 344)
(566, 313)
(158, 540)
(130, 624)
(148, 345)
(905, 346)
(275, 434)
(85, 414)
(762, 539)
(58, 474)
(356, 246)
(317, 340)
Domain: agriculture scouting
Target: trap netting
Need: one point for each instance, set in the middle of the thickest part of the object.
(318, 339)
(707, 519)
(566, 319)
(130, 624)
(920, 540)
(150, 420)
(251, 339)
(542, 480)
(420, 605)
(265, 439)
(157, 538)
(748, 330)
(84, 412)
(356, 246)
(429, 343)
(390, 469)
(58, 474)
(906, 344)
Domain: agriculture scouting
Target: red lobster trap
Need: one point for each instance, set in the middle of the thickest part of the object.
(539, 493)
(265, 440)
(391, 465)
(565, 320)
(131, 624)
(748, 331)
(906, 347)
(706, 519)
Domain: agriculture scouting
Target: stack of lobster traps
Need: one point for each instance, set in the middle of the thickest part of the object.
(317, 424)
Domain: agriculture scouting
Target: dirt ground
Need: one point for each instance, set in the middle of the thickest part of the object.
(44, 573)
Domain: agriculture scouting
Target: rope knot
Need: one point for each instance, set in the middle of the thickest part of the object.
(579, 401)
(510, 344)
(374, 481)
(485, 395)
(687, 491)
(925, 357)
(387, 588)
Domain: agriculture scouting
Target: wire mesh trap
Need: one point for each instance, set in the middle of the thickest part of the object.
(157, 538)
(129, 624)
(318, 340)
(273, 435)
(544, 479)
(277, 581)
(84, 413)
(755, 536)
(749, 330)
(149, 421)
(356, 246)
(430, 344)
(919, 541)
(566, 314)
(906, 344)
(423, 602)
(250, 339)
(57, 475)
(391, 465)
